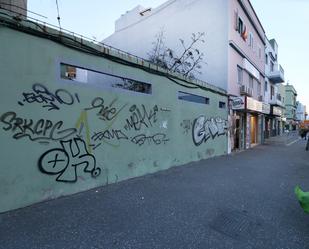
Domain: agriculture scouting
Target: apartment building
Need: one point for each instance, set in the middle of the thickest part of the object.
(234, 53)
(274, 76)
(300, 111)
(15, 6)
(290, 107)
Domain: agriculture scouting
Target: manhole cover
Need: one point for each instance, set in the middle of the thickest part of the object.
(234, 224)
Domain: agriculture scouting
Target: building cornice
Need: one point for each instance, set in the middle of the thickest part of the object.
(239, 51)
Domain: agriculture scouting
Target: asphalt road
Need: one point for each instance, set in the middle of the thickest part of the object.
(245, 200)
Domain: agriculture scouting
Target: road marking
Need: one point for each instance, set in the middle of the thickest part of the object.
(293, 142)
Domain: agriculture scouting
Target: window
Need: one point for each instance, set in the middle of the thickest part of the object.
(222, 105)
(239, 75)
(266, 59)
(250, 81)
(271, 66)
(251, 40)
(266, 86)
(240, 26)
(193, 98)
(272, 91)
(259, 88)
(83, 75)
(260, 52)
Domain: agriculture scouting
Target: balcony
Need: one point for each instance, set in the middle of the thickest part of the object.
(246, 91)
(277, 74)
(276, 100)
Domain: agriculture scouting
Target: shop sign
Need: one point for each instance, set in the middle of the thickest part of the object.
(238, 103)
(265, 108)
(254, 105)
(277, 111)
(251, 69)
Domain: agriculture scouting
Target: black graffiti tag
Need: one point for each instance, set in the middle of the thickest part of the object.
(156, 139)
(109, 134)
(140, 117)
(64, 161)
(42, 130)
(52, 101)
(107, 112)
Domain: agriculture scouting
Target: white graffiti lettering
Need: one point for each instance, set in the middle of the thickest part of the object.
(204, 128)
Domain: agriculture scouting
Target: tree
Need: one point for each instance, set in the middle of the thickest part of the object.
(188, 63)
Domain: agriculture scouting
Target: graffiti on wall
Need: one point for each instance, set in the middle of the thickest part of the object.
(72, 156)
(106, 112)
(141, 118)
(50, 100)
(204, 128)
(65, 162)
(186, 125)
(42, 130)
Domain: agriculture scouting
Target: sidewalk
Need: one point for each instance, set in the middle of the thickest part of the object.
(286, 138)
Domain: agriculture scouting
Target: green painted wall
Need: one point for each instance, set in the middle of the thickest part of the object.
(290, 102)
(54, 143)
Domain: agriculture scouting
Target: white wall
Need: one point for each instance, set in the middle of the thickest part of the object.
(179, 19)
(300, 112)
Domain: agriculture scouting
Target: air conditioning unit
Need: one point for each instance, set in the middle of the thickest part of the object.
(250, 92)
(244, 90)
(261, 98)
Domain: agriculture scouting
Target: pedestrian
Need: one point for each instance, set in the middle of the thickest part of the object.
(303, 134)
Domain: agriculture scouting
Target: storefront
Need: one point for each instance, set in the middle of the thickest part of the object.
(237, 123)
(276, 123)
(248, 122)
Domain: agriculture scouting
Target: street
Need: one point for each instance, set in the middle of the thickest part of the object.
(244, 200)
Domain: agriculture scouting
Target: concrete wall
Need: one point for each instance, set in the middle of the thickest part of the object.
(179, 19)
(60, 136)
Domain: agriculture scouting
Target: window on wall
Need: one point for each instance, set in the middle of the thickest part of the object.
(260, 52)
(222, 105)
(239, 75)
(240, 26)
(265, 86)
(259, 88)
(184, 96)
(251, 40)
(266, 59)
(82, 75)
(251, 81)
(272, 65)
(272, 91)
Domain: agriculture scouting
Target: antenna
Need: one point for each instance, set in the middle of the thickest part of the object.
(58, 17)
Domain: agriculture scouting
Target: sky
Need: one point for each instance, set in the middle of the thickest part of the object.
(285, 20)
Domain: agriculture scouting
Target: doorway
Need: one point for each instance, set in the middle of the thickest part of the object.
(253, 129)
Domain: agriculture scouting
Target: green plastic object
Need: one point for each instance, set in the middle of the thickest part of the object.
(303, 198)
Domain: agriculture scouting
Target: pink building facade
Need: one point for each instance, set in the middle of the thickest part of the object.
(246, 76)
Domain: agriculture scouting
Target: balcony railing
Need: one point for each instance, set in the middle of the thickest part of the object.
(276, 100)
(277, 75)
